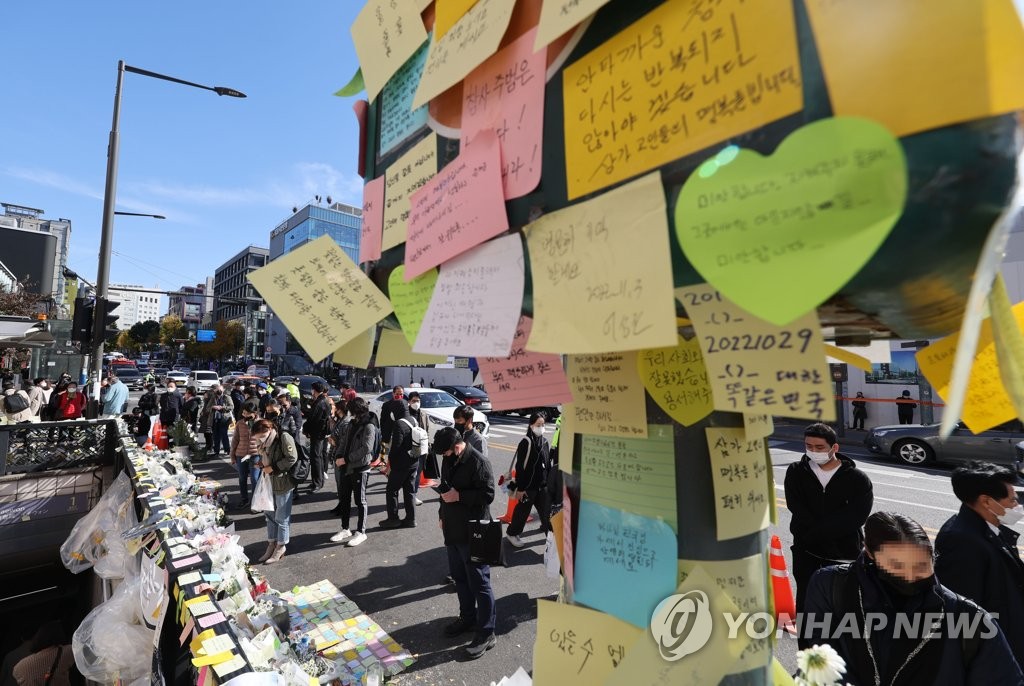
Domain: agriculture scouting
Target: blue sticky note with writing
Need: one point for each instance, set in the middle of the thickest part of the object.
(211, 577)
(625, 563)
(398, 119)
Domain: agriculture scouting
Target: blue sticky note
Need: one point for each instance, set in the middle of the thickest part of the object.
(398, 120)
(211, 577)
(619, 551)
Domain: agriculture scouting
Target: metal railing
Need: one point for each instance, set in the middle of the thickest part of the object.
(47, 446)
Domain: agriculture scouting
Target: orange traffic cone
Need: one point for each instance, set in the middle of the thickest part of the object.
(149, 444)
(782, 591)
(428, 483)
(160, 436)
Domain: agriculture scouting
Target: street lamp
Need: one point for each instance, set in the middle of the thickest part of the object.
(107, 231)
(140, 214)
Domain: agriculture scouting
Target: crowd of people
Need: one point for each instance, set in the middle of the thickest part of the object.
(880, 574)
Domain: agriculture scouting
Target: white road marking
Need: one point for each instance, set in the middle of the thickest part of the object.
(892, 500)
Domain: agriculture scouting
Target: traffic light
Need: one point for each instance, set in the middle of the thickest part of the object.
(109, 320)
(81, 325)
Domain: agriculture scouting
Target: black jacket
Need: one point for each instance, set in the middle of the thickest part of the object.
(470, 475)
(401, 454)
(976, 563)
(938, 662)
(171, 405)
(318, 423)
(827, 522)
(238, 399)
(532, 463)
(389, 414)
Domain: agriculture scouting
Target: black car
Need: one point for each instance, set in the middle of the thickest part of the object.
(474, 397)
(130, 377)
(305, 383)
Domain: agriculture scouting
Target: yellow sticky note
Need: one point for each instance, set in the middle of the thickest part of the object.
(215, 659)
(1009, 344)
(780, 677)
(234, 664)
(557, 17)
(608, 396)
(893, 62)
(858, 361)
(405, 175)
(217, 644)
(567, 438)
(773, 500)
(703, 657)
(745, 582)
(447, 12)
(602, 273)
(473, 38)
(410, 299)
(357, 352)
(393, 350)
(677, 380)
(737, 470)
(758, 426)
(197, 643)
(758, 367)
(637, 475)
(676, 81)
(987, 403)
(321, 295)
(385, 34)
(575, 645)
(556, 529)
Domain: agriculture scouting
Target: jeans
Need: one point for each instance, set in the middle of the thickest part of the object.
(318, 451)
(279, 521)
(141, 440)
(246, 471)
(220, 437)
(402, 480)
(539, 498)
(473, 585)
(353, 485)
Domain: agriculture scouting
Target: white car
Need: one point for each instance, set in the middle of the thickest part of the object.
(202, 381)
(179, 378)
(439, 407)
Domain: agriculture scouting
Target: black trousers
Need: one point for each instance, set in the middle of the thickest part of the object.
(353, 486)
(540, 499)
(318, 448)
(402, 480)
(804, 567)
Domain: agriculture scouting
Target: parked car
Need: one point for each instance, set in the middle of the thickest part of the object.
(917, 444)
(468, 395)
(130, 376)
(230, 379)
(180, 378)
(440, 408)
(305, 383)
(202, 380)
(260, 370)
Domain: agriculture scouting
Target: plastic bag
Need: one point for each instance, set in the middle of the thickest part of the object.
(111, 642)
(263, 496)
(552, 565)
(93, 534)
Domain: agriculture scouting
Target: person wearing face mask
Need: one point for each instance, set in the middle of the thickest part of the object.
(892, 620)
(278, 454)
(463, 417)
(171, 405)
(532, 464)
(243, 451)
(391, 411)
(977, 548)
(829, 499)
(403, 459)
(70, 403)
(37, 396)
(419, 418)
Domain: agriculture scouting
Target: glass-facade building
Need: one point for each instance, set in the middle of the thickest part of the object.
(339, 221)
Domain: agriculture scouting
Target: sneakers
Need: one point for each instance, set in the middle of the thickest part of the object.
(391, 523)
(459, 626)
(271, 545)
(417, 501)
(278, 554)
(479, 646)
(516, 541)
(341, 536)
(357, 538)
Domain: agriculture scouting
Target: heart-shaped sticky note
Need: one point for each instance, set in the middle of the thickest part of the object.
(778, 235)
(410, 299)
(677, 380)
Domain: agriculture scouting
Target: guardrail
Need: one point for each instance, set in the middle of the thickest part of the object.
(47, 446)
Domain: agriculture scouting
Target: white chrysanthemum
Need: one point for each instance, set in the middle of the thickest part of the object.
(821, 665)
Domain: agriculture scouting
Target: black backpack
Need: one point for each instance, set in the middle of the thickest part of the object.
(299, 472)
(15, 403)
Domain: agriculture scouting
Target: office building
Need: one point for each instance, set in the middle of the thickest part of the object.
(8, 281)
(138, 304)
(31, 219)
(189, 305)
(236, 299)
(339, 221)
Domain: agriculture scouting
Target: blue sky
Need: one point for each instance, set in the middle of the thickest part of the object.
(224, 171)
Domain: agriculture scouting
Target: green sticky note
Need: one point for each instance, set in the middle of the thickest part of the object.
(779, 235)
(355, 85)
(410, 299)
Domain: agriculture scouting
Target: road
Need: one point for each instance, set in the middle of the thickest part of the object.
(396, 576)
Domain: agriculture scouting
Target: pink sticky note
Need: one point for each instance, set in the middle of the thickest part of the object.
(524, 379)
(186, 561)
(567, 556)
(207, 621)
(203, 672)
(506, 94)
(189, 626)
(373, 220)
(462, 206)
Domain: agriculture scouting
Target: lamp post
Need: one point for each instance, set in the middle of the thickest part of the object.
(110, 191)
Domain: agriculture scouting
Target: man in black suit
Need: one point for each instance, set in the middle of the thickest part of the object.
(392, 411)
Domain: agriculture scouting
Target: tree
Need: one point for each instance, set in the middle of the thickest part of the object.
(145, 333)
(125, 342)
(18, 302)
(171, 327)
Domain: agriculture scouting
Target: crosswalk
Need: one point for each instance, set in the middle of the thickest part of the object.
(508, 428)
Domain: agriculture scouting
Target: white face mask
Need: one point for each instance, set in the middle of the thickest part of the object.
(1011, 516)
(819, 459)
(414, 406)
(172, 389)
(537, 430)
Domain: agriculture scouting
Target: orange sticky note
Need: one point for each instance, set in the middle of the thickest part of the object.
(447, 12)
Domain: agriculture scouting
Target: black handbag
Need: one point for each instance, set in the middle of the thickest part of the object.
(485, 542)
